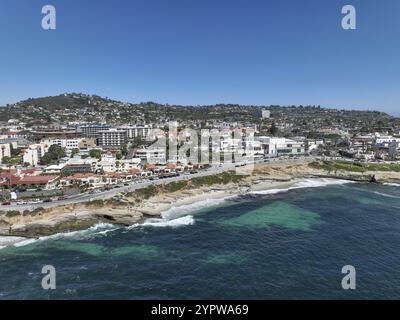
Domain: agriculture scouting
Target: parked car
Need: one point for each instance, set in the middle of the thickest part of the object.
(6, 203)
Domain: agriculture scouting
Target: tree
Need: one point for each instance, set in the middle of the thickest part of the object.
(95, 153)
(74, 152)
(273, 130)
(124, 150)
(53, 155)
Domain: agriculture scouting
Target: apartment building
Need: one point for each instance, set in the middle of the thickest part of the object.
(133, 132)
(34, 153)
(112, 138)
(92, 130)
(5, 151)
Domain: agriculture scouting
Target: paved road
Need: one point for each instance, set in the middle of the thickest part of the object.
(85, 197)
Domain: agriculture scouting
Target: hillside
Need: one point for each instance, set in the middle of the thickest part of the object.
(78, 107)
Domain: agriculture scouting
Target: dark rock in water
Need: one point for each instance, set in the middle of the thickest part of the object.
(373, 179)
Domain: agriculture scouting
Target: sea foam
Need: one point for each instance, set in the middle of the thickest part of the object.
(178, 216)
(307, 183)
(98, 229)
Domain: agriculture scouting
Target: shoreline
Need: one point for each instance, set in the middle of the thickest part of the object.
(153, 210)
(136, 211)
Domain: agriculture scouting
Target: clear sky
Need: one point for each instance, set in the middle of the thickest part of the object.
(205, 52)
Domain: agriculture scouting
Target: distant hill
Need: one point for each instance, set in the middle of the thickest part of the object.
(78, 107)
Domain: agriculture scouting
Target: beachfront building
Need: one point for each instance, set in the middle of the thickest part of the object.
(109, 163)
(26, 179)
(150, 155)
(274, 146)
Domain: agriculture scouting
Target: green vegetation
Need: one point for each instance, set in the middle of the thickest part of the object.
(74, 152)
(95, 203)
(54, 154)
(222, 178)
(354, 166)
(124, 150)
(175, 186)
(13, 161)
(153, 190)
(147, 192)
(12, 213)
(273, 130)
(95, 153)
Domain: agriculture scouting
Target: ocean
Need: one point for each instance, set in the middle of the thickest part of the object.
(276, 244)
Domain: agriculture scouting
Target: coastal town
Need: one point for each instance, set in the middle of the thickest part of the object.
(75, 148)
(43, 162)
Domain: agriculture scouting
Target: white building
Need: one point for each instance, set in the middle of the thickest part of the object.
(273, 146)
(144, 132)
(313, 144)
(266, 114)
(64, 143)
(69, 144)
(34, 153)
(5, 151)
(156, 155)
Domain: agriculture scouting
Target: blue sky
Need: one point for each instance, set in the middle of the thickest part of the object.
(204, 52)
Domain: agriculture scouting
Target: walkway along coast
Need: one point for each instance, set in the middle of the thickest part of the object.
(134, 204)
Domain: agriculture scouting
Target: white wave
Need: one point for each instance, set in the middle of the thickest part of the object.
(7, 241)
(178, 216)
(179, 211)
(270, 191)
(101, 228)
(392, 184)
(307, 183)
(174, 223)
(24, 242)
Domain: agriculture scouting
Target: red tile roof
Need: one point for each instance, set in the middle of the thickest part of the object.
(27, 180)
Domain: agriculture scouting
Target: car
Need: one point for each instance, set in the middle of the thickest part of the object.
(20, 203)
(6, 203)
(47, 200)
(126, 184)
(39, 189)
(62, 198)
